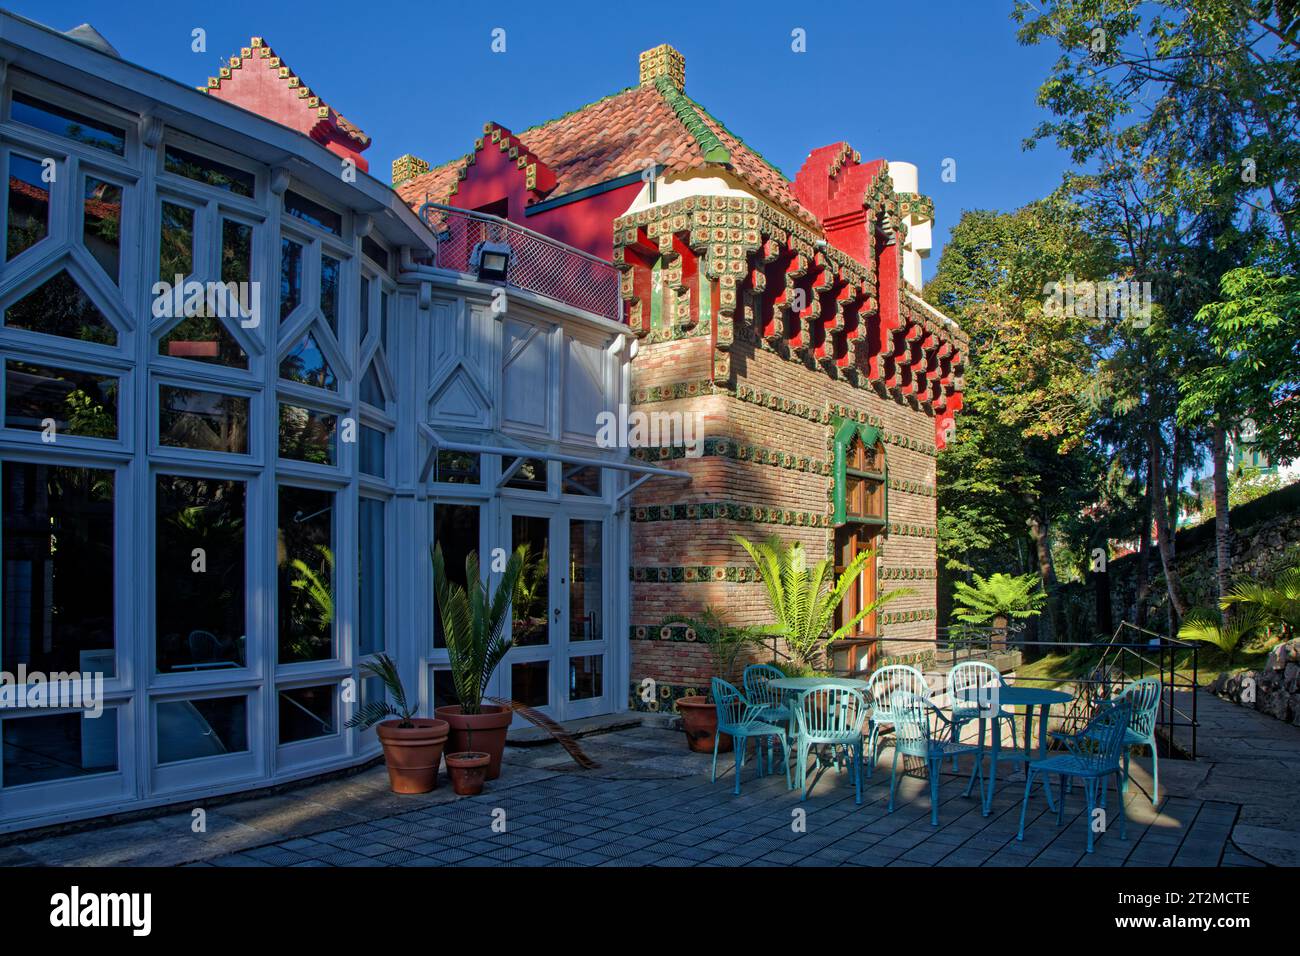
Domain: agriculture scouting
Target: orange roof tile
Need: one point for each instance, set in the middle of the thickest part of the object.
(618, 135)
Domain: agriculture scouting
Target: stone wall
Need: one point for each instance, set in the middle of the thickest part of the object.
(1265, 539)
(1274, 690)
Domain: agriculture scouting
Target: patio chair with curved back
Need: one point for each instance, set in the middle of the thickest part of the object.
(885, 682)
(759, 691)
(1092, 755)
(973, 695)
(834, 715)
(922, 731)
(1144, 695)
(742, 720)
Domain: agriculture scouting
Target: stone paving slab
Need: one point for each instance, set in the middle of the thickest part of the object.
(650, 803)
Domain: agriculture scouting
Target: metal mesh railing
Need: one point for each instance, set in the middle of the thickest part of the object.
(538, 263)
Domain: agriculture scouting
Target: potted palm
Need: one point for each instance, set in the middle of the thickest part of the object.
(474, 622)
(725, 643)
(412, 745)
(804, 598)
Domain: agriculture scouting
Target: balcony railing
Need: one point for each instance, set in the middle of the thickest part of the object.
(538, 263)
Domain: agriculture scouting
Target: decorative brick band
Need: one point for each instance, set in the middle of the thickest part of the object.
(912, 487)
(675, 391)
(906, 574)
(907, 617)
(736, 451)
(663, 697)
(912, 530)
(677, 633)
(730, 511)
(695, 574)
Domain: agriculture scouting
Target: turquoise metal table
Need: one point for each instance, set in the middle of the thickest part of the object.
(808, 683)
(797, 685)
(1013, 695)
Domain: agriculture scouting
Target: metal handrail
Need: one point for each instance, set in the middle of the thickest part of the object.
(538, 263)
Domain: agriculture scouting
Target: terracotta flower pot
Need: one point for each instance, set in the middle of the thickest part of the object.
(413, 753)
(484, 732)
(467, 772)
(700, 721)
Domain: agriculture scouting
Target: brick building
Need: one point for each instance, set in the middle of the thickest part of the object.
(786, 313)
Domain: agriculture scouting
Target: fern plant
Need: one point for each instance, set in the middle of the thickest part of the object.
(724, 641)
(474, 622)
(375, 711)
(804, 599)
(998, 598)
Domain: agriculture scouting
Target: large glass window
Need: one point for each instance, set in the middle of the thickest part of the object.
(59, 565)
(63, 122)
(206, 421)
(176, 242)
(101, 223)
(860, 512)
(203, 338)
(307, 435)
(290, 276)
(305, 552)
(59, 307)
(199, 573)
(209, 171)
(531, 622)
(306, 363)
(372, 451)
(58, 746)
(204, 727)
(586, 581)
(455, 530)
(330, 271)
(236, 251)
(307, 713)
(29, 205)
(79, 403)
(370, 584)
(300, 207)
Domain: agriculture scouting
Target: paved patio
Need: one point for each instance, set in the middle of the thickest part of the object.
(651, 804)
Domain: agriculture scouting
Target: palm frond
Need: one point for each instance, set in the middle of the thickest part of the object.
(561, 736)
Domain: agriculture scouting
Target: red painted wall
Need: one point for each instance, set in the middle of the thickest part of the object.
(586, 224)
(259, 89)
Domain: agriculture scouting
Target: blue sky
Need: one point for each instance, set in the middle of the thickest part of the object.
(919, 82)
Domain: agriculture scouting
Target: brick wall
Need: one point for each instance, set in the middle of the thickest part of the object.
(765, 470)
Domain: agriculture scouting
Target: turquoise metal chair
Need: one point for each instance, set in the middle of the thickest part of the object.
(973, 688)
(742, 720)
(1144, 696)
(922, 731)
(757, 680)
(829, 714)
(881, 688)
(1092, 755)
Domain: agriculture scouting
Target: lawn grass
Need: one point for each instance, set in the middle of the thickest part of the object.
(1210, 663)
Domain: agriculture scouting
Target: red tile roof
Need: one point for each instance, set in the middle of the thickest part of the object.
(621, 134)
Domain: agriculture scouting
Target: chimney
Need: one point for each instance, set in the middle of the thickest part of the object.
(663, 61)
(408, 167)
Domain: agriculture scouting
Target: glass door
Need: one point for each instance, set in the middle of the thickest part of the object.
(558, 661)
(535, 612)
(585, 654)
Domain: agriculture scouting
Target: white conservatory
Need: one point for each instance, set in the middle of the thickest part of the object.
(224, 506)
